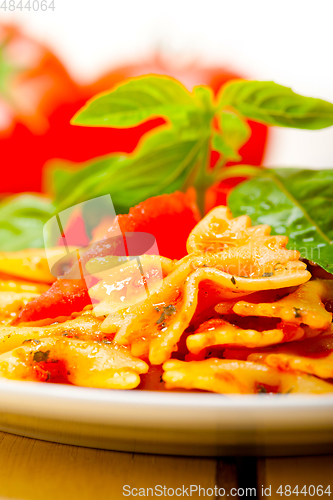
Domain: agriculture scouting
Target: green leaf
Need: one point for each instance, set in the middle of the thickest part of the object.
(69, 178)
(162, 164)
(136, 100)
(61, 175)
(204, 97)
(220, 144)
(238, 171)
(294, 202)
(21, 222)
(274, 104)
(235, 132)
(234, 129)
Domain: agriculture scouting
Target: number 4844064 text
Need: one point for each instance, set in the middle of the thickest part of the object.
(317, 491)
(36, 5)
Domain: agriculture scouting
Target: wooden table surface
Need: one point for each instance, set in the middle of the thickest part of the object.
(39, 470)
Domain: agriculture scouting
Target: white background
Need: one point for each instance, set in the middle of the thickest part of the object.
(290, 42)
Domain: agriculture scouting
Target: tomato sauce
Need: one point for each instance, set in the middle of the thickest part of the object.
(53, 371)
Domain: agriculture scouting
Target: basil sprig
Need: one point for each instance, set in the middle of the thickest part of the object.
(171, 159)
(176, 155)
(294, 202)
(165, 163)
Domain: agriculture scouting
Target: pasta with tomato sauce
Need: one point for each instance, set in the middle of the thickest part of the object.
(240, 313)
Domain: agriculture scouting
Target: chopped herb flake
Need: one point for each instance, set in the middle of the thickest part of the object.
(233, 281)
(261, 389)
(297, 312)
(40, 356)
(170, 310)
(267, 275)
(167, 311)
(161, 319)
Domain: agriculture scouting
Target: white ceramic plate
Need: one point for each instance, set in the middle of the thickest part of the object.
(172, 423)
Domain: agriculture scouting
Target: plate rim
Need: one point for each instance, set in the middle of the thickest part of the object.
(173, 408)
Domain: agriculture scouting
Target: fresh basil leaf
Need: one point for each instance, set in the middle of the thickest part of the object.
(162, 164)
(235, 130)
(135, 100)
(294, 202)
(205, 97)
(220, 144)
(238, 171)
(68, 177)
(274, 104)
(59, 174)
(21, 222)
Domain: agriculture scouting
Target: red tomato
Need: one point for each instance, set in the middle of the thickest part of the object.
(35, 127)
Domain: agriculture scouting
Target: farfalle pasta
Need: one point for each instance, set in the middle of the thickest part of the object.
(305, 305)
(313, 356)
(158, 322)
(88, 363)
(239, 377)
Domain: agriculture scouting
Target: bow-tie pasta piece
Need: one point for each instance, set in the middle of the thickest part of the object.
(88, 364)
(84, 327)
(29, 264)
(305, 305)
(11, 303)
(313, 356)
(245, 250)
(218, 231)
(15, 293)
(141, 322)
(154, 327)
(128, 283)
(238, 377)
(227, 307)
(216, 332)
(17, 285)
